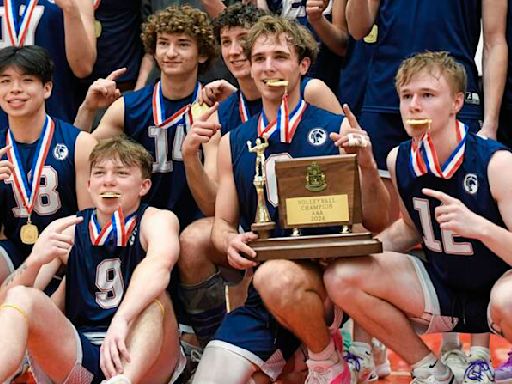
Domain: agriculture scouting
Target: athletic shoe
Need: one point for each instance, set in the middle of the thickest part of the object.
(380, 357)
(504, 371)
(326, 372)
(438, 373)
(360, 361)
(117, 379)
(457, 360)
(479, 371)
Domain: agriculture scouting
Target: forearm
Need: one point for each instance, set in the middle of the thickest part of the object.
(495, 70)
(213, 7)
(359, 18)
(375, 200)
(334, 38)
(80, 45)
(202, 187)
(148, 281)
(25, 275)
(146, 65)
(222, 232)
(399, 237)
(84, 117)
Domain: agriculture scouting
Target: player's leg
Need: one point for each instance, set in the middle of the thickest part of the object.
(153, 345)
(283, 284)
(383, 293)
(30, 320)
(201, 285)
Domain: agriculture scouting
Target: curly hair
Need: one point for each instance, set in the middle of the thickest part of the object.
(297, 36)
(237, 15)
(185, 19)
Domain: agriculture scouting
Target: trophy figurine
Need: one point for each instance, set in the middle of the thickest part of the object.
(262, 223)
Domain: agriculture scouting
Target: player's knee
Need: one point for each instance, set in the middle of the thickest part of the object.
(342, 278)
(277, 282)
(501, 304)
(194, 246)
(22, 297)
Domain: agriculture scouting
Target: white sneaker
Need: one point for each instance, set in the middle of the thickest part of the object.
(438, 373)
(321, 372)
(479, 371)
(457, 360)
(360, 361)
(380, 357)
(117, 379)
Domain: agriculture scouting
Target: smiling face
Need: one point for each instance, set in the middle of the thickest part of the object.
(22, 95)
(428, 95)
(274, 58)
(177, 54)
(231, 43)
(113, 184)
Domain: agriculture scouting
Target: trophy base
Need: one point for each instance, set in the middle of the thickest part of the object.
(316, 246)
(263, 229)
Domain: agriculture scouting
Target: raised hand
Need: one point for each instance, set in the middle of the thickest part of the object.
(201, 132)
(6, 167)
(216, 91)
(103, 92)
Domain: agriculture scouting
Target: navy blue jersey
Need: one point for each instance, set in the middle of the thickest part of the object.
(311, 139)
(460, 263)
(169, 189)
(47, 30)
(119, 44)
(411, 26)
(229, 109)
(354, 75)
(97, 277)
(57, 195)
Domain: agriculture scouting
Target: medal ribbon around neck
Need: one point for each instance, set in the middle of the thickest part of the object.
(242, 108)
(424, 156)
(28, 189)
(17, 25)
(118, 229)
(285, 123)
(184, 115)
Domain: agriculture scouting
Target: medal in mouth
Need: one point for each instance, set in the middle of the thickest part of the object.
(416, 123)
(276, 83)
(110, 195)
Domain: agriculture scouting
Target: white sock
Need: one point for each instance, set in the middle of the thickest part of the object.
(480, 353)
(328, 353)
(450, 341)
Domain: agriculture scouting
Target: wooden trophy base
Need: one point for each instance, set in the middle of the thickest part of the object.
(316, 246)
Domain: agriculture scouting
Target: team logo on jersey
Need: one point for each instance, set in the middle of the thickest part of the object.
(317, 136)
(132, 237)
(60, 152)
(471, 183)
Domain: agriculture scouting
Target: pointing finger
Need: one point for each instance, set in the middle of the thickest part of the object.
(116, 73)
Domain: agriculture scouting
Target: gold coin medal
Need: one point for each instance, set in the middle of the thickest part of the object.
(419, 123)
(97, 28)
(28, 189)
(29, 233)
(197, 110)
(277, 83)
(371, 37)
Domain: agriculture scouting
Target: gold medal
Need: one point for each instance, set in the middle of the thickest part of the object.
(277, 83)
(371, 38)
(97, 28)
(29, 233)
(198, 110)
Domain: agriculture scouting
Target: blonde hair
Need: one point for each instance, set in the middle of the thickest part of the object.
(185, 19)
(129, 152)
(296, 35)
(434, 63)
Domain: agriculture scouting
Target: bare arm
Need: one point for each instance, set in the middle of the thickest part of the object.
(495, 61)
(213, 7)
(80, 40)
(146, 66)
(361, 15)
(112, 123)
(84, 145)
(201, 178)
(333, 34)
(402, 234)
(59, 296)
(320, 95)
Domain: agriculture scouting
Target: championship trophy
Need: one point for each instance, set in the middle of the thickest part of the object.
(314, 192)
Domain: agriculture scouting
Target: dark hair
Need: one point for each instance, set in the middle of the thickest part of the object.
(237, 15)
(128, 151)
(30, 59)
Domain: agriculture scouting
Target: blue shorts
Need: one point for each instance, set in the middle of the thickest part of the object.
(252, 332)
(91, 358)
(386, 131)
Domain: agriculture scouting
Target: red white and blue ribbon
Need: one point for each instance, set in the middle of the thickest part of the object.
(116, 232)
(285, 123)
(17, 25)
(242, 108)
(28, 187)
(183, 116)
(424, 158)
